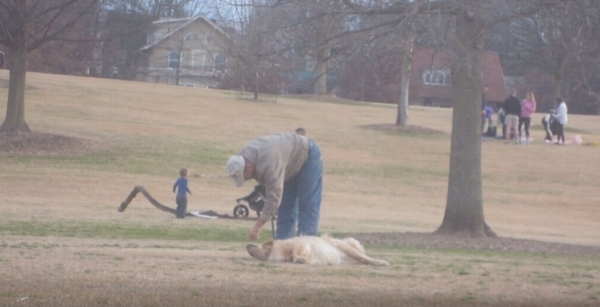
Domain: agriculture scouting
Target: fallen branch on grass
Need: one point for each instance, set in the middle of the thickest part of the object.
(155, 203)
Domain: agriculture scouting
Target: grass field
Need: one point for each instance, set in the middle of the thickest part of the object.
(62, 242)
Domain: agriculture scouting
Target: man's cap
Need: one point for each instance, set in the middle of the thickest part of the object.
(235, 168)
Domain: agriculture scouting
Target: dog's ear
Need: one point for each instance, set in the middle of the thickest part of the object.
(267, 246)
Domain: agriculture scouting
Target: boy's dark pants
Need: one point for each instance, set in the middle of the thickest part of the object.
(181, 201)
(548, 130)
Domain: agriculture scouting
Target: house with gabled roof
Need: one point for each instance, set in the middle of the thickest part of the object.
(185, 51)
(431, 81)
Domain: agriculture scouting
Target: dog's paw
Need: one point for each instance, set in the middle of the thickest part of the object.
(299, 260)
(383, 263)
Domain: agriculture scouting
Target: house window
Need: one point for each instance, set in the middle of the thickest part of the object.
(188, 38)
(173, 59)
(220, 62)
(197, 59)
(437, 77)
(150, 38)
(209, 39)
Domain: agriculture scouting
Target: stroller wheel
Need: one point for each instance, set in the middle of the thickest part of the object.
(241, 211)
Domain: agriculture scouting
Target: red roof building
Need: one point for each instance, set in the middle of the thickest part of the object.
(431, 82)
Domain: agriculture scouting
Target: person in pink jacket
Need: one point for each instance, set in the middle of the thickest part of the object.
(527, 109)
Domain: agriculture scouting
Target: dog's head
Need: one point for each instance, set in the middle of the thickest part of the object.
(260, 252)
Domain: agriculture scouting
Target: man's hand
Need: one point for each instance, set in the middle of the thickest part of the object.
(255, 232)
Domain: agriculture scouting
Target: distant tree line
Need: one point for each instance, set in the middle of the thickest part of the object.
(319, 46)
(552, 48)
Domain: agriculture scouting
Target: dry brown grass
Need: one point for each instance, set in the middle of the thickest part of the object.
(80, 272)
(375, 181)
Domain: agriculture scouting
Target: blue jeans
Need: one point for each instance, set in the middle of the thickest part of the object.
(181, 201)
(301, 199)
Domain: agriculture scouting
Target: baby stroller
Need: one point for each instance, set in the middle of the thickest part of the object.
(255, 200)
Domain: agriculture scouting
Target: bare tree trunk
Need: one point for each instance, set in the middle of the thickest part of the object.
(321, 71)
(464, 207)
(178, 69)
(256, 86)
(14, 121)
(158, 205)
(402, 117)
(558, 84)
(559, 77)
(52, 21)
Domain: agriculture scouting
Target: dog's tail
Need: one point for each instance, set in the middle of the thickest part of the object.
(354, 250)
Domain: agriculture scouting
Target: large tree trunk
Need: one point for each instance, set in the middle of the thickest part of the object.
(464, 205)
(558, 86)
(402, 117)
(53, 20)
(14, 122)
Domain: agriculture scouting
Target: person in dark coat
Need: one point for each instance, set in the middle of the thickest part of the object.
(512, 109)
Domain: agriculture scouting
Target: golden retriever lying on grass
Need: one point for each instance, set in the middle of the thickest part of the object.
(313, 250)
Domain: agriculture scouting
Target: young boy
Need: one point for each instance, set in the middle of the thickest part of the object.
(547, 122)
(181, 185)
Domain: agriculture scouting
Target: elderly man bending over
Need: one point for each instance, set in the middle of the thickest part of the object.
(290, 168)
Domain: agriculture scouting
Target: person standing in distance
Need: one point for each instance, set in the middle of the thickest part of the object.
(512, 109)
(290, 168)
(181, 187)
(528, 106)
(562, 119)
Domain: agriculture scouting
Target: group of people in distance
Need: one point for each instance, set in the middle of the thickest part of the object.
(515, 118)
